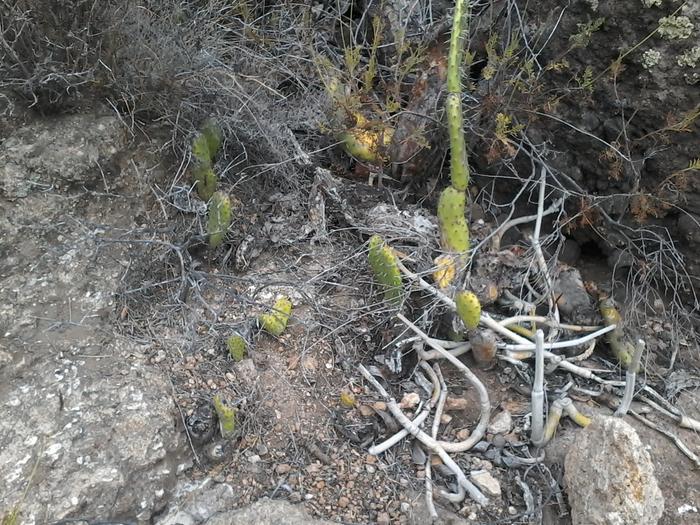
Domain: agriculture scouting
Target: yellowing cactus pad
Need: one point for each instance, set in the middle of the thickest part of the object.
(453, 225)
(276, 321)
(237, 347)
(227, 417)
(468, 309)
(445, 271)
(366, 145)
(347, 399)
(384, 264)
(219, 218)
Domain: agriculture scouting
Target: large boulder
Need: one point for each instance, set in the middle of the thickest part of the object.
(609, 477)
(88, 427)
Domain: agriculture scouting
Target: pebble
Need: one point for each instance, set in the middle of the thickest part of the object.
(383, 518)
(409, 400)
(512, 511)
(379, 405)
(463, 434)
(365, 410)
(283, 468)
(455, 403)
(254, 458)
(343, 502)
(486, 482)
(370, 469)
(501, 423)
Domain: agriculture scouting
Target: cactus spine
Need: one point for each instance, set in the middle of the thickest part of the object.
(384, 264)
(219, 218)
(276, 321)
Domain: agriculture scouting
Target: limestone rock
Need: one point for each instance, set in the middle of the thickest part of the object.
(485, 481)
(266, 512)
(609, 477)
(501, 423)
(58, 152)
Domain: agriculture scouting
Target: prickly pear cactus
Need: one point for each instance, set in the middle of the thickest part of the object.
(207, 143)
(445, 270)
(453, 225)
(383, 262)
(227, 417)
(276, 321)
(204, 149)
(206, 181)
(237, 347)
(219, 218)
(468, 308)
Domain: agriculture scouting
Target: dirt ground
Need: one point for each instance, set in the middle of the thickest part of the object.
(296, 439)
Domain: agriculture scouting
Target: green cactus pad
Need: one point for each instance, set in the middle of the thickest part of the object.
(227, 417)
(207, 143)
(385, 267)
(276, 321)
(237, 347)
(468, 309)
(206, 181)
(453, 226)
(219, 218)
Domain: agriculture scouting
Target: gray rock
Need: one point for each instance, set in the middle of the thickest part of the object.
(77, 401)
(266, 512)
(609, 477)
(574, 302)
(58, 151)
(485, 481)
(501, 423)
(195, 503)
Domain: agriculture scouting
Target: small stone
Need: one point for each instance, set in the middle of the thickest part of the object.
(462, 434)
(343, 502)
(409, 400)
(379, 405)
(512, 511)
(383, 518)
(445, 419)
(501, 423)
(405, 507)
(486, 482)
(370, 469)
(455, 403)
(365, 411)
(283, 468)
(370, 459)
(254, 459)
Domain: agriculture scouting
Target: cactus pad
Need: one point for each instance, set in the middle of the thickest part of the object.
(276, 321)
(227, 417)
(384, 264)
(219, 218)
(468, 309)
(207, 143)
(453, 225)
(206, 181)
(237, 347)
(445, 271)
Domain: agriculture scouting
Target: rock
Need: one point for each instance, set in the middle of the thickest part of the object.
(283, 468)
(80, 403)
(485, 481)
(609, 477)
(193, 503)
(57, 152)
(105, 442)
(409, 400)
(383, 518)
(501, 423)
(343, 502)
(266, 512)
(574, 302)
(455, 403)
